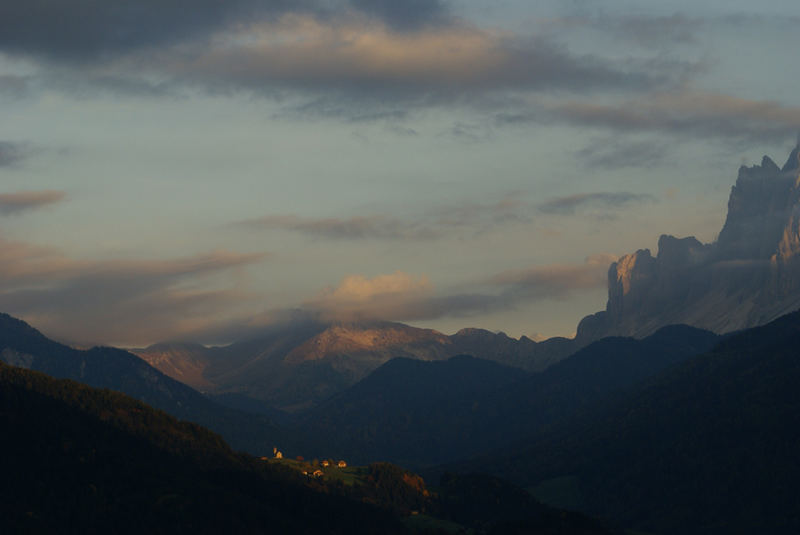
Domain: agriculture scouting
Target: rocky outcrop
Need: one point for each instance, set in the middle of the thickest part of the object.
(749, 276)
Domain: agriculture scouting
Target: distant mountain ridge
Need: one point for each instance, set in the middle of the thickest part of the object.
(105, 367)
(749, 276)
(421, 413)
(295, 366)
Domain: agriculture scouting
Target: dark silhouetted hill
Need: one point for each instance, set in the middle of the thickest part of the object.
(419, 413)
(105, 367)
(708, 446)
(80, 460)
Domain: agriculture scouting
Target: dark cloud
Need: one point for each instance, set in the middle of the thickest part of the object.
(484, 215)
(12, 153)
(433, 65)
(405, 14)
(344, 107)
(684, 114)
(613, 153)
(700, 115)
(352, 228)
(13, 203)
(605, 200)
(428, 224)
(87, 29)
(90, 30)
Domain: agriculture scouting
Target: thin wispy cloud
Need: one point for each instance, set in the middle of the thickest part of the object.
(350, 228)
(428, 224)
(404, 297)
(688, 113)
(654, 31)
(14, 203)
(570, 204)
(614, 153)
(119, 301)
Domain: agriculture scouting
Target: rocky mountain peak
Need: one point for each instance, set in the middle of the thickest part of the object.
(793, 162)
(748, 277)
(760, 208)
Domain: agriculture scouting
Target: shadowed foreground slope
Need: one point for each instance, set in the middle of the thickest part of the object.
(76, 459)
(709, 446)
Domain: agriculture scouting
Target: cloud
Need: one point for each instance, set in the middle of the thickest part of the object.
(606, 200)
(86, 30)
(14, 86)
(349, 53)
(382, 297)
(118, 301)
(357, 60)
(613, 153)
(657, 31)
(402, 297)
(512, 208)
(555, 281)
(428, 224)
(83, 29)
(352, 228)
(12, 153)
(405, 14)
(12, 203)
(647, 31)
(687, 113)
(394, 297)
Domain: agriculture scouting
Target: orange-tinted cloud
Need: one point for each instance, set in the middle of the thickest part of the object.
(357, 297)
(352, 52)
(402, 297)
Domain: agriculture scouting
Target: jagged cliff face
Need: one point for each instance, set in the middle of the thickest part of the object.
(748, 277)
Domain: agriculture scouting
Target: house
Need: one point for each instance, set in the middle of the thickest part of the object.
(278, 454)
(318, 473)
(325, 463)
(341, 464)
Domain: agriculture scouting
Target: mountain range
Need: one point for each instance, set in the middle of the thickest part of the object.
(420, 413)
(747, 277)
(298, 365)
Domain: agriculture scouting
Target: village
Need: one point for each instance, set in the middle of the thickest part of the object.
(316, 468)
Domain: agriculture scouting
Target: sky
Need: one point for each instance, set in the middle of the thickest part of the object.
(175, 174)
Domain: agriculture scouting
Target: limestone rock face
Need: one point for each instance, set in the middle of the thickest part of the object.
(748, 277)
